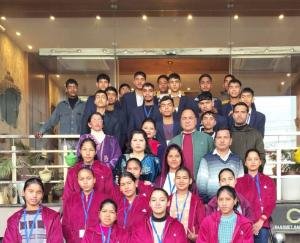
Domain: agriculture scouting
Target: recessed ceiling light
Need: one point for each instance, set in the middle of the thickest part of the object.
(3, 18)
(29, 47)
(2, 28)
(18, 33)
(188, 89)
(281, 16)
(57, 75)
(98, 17)
(288, 74)
(52, 17)
(235, 17)
(190, 17)
(144, 17)
(282, 83)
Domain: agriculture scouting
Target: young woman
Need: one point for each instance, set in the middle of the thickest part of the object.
(139, 149)
(227, 178)
(34, 222)
(185, 206)
(108, 148)
(260, 191)
(132, 207)
(81, 208)
(159, 227)
(106, 231)
(134, 166)
(103, 175)
(226, 225)
(172, 162)
(148, 126)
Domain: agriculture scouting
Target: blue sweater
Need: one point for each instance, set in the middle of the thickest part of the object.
(226, 228)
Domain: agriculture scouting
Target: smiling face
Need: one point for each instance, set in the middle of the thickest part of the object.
(33, 195)
(108, 215)
(149, 129)
(234, 90)
(158, 203)
(174, 159)
(138, 143)
(253, 162)
(139, 81)
(182, 180)
(226, 203)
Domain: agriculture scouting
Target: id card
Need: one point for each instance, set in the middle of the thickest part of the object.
(81, 233)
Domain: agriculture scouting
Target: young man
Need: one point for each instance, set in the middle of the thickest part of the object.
(194, 144)
(212, 163)
(224, 97)
(234, 91)
(245, 137)
(205, 85)
(169, 126)
(124, 89)
(208, 123)
(163, 89)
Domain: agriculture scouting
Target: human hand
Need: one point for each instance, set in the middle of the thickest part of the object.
(192, 234)
(257, 226)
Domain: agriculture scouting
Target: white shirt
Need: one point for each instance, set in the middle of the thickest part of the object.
(225, 157)
(139, 99)
(98, 135)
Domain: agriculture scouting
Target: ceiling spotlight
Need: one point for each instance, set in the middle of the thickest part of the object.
(2, 28)
(52, 17)
(144, 17)
(29, 47)
(267, 50)
(57, 75)
(190, 17)
(98, 17)
(288, 74)
(282, 83)
(235, 17)
(281, 16)
(3, 18)
(18, 33)
(188, 89)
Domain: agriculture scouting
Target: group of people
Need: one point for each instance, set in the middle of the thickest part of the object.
(156, 167)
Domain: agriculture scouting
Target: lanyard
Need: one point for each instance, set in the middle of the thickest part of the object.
(147, 114)
(257, 184)
(86, 210)
(179, 216)
(32, 226)
(159, 237)
(104, 239)
(126, 212)
(170, 185)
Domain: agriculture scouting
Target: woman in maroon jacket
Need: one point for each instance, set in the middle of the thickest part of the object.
(227, 178)
(106, 231)
(260, 191)
(81, 208)
(159, 227)
(227, 224)
(185, 206)
(103, 174)
(34, 220)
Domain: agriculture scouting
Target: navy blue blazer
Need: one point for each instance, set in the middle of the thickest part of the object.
(221, 122)
(185, 102)
(89, 109)
(160, 135)
(128, 103)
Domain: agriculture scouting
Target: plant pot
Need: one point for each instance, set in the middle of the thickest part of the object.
(45, 175)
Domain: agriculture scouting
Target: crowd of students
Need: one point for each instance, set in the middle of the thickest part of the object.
(157, 168)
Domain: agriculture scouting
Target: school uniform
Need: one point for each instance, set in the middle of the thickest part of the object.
(173, 232)
(164, 136)
(50, 222)
(209, 229)
(80, 213)
(195, 211)
(145, 190)
(96, 234)
(103, 175)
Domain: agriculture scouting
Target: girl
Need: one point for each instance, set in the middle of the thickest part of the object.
(172, 162)
(149, 127)
(35, 222)
(133, 207)
(139, 149)
(106, 231)
(103, 175)
(226, 225)
(81, 208)
(227, 178)
(108, 148)
(134, 166)
(185, 206)
(159, 227)
(260, 191)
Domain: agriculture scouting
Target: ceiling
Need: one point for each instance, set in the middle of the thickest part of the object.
(88, 8)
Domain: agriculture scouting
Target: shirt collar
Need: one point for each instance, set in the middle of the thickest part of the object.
(225, 158)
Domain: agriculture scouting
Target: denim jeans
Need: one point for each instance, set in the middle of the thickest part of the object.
(263, 236)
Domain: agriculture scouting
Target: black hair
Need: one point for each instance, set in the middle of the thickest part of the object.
(161, 190)
(240, 104)
(71, 81)
(208, 113)
(223, 170)
(149, 119)
(34, 180)
(231, 192)
(168, 149)
(166, 97)
(141, 73)
(222, 129)
(103, 76)
(137, 161)
(248, 90)
(229, 75)
(235, 81)
(139, 131)
(108, 201)
(126, 174)
(124, 85)
(183, 168)
(101, 92)
(252, 150)
(205, 75)
(87, 168)
(174, 76)
(84, 141)
(111, 88)
(148, 84)
(162, 76)
(90, 118)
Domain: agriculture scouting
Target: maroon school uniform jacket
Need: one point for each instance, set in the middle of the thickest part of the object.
(145, 190)
(51, 221)
(247, 187)
(73, 215)
(118, 235)
(173, 232)
(103, 175)
(209, 229)
(196, 213)
(212, 206)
